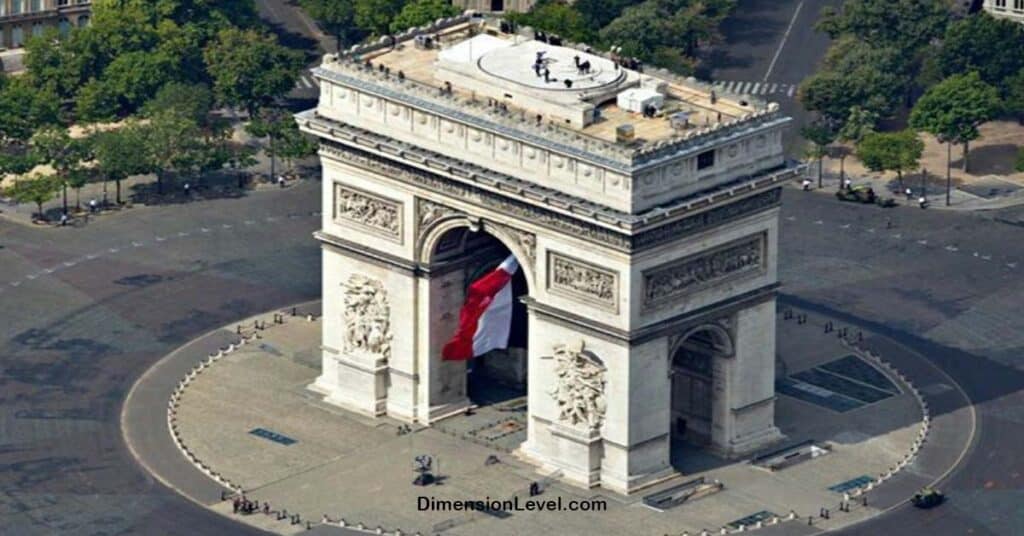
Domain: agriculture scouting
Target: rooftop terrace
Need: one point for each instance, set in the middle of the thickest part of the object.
(465, 65)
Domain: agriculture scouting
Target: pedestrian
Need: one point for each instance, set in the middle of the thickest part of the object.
(92, 205)
(806, 184)
(266, 508)
(280, 181)
(922, 202)
(187, 187)
(63, 219)
(909, 193)
(236, 504)
(847, 183)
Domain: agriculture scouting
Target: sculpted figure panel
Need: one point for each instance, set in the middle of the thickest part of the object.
(376, 214)
(579, 386)
(665, 284)
(582, 280)
(367, 317)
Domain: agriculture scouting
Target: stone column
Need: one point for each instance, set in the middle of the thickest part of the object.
(442, 384)
(743, 406)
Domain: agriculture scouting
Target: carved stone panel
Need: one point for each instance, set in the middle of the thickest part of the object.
(583, 281)
(428, 213)
(367, 317)
(579, 386)
(666, 284)
(369, 212)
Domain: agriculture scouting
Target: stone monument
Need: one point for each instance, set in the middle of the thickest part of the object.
(646, 230)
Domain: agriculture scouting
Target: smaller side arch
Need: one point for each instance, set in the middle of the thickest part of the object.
(719, 335)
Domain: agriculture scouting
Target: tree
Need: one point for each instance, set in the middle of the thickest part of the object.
(859, 122)
(119, 154)
(375, 16)
(907, 25)
(953, 110)
(249, 69)
(38, 190)
(891, 151)
(666, 30)
(295, 145)
(1019, 165)
(191, 101)
(95, 102)
(599, 13)
(23, 109)
(173, 144)
(420, 12)
(555, 17)
(855, 73)
(55, 147)
(336, 17)
(275, 124)
(134, 78)
(1013, 99)
(992, 47)
(820, 134)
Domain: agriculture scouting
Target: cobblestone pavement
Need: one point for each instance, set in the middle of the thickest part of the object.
(263, 386)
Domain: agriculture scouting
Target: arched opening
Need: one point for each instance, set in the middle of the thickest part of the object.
(692, 375)
(461, 256)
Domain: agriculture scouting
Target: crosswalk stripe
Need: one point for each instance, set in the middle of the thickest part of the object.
(743, 88)
(792, 89)
(756, 90)
(774, 87)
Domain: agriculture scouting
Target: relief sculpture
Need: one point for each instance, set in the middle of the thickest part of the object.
(579, 386)
(378, 215)
(665, 284)
(582, 280)
(367, 317)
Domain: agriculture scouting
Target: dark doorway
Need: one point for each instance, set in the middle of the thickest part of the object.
(497, 5)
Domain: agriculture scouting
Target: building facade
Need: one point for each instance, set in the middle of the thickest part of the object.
(643, 211)
(1007, 9)
(21, 19)
(495, 6)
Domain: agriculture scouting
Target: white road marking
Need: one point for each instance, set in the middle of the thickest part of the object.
(847, 226)
(818, 222)
(15, 283)
(774, 87)
(792, 90)
(872, 231)
(32, 276)
(113, 250)
(204, 230)
(137, 244)
(182, 233)
(91, 256)
(756, 90)
(782, 44)
(952, 248)
(923, 242)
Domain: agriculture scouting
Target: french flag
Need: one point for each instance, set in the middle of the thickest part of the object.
(486, 317)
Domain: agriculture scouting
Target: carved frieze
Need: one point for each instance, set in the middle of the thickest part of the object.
(370, 212)
(559, 222)
(584, 281)
(367, 317)
(665, 284)
(579, 386)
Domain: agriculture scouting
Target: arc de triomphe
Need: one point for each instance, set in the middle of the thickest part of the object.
(647, 239)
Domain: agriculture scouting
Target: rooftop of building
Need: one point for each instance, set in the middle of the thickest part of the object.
(573, 94)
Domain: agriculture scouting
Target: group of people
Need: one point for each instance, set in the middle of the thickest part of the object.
(245, 506)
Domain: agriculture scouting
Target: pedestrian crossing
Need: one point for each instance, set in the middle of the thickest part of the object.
(306, 81)
(756, 88)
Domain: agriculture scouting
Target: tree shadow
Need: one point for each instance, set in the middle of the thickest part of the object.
(989, 159)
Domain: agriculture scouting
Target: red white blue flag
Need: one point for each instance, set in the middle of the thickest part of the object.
(486, 317)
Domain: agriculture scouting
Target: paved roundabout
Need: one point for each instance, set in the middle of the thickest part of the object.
(76, 332)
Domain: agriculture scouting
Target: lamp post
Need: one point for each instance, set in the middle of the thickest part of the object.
(949, 177)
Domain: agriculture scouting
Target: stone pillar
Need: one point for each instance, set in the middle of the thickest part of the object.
(442, 384)
(743, 406)
(637, 444)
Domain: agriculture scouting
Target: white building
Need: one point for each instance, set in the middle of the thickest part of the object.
(647, 243)
(1007, 9)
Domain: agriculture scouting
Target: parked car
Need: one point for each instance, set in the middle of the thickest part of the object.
(857, 194)
(927, 498)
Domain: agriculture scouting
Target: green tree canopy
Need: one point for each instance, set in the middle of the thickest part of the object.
(24, 108)
(250, 69)
(37, 190)
(953, 109)
(992, 47)
(121, 153)
(375, 16)
(1013, 100)
(420, 12)
(666, 29)
(337, 17)
(192, 101)
(891, 151)
(906, 25)
(558, 18)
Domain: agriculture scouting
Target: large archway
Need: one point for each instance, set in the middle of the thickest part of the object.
(692, 372)
(460, 255)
